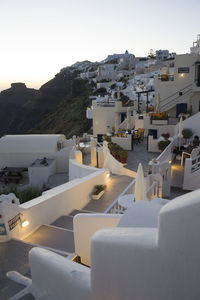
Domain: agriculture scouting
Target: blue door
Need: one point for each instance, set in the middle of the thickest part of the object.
(181, 108)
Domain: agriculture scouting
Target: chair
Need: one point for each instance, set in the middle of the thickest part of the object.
(138, 135)
(193, 154)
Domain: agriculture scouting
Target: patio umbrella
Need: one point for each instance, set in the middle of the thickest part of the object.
(140, 190)
(128, 118)
(158, 102)
(118, 94)
(180, 129)
(116, 124)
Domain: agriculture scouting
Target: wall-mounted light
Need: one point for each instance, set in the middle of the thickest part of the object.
(182, 75)
(23, 222)
(170, 161)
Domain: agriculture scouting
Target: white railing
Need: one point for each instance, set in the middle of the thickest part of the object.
(195, 164)
(114, 207)
(154, 191)
(167, 153)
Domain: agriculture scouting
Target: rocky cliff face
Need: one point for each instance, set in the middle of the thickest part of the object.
(55, 107)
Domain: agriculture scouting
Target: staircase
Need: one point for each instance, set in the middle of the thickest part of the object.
(175, 98)
(58, 236)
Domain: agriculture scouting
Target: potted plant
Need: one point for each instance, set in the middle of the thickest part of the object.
(123, 156)
(187, 133)
(163, 144)
(98, 191)
(159, 118)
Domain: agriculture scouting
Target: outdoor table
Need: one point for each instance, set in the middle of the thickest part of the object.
(126, 201)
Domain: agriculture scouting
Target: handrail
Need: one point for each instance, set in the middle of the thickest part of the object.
(177, 92)
(150, 189)
(165, 104)
(115, 202)
(162, 157)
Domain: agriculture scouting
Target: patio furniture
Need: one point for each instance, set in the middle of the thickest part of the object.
(126, 201)
(138, 135)
(193, 154)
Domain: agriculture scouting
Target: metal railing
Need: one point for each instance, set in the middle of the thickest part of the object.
(154, 191)
(166, 154)
(114, 207)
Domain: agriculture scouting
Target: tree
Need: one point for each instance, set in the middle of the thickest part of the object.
(151, 53)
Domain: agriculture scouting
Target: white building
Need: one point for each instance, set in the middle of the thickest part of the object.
(162, 54)
(23, 150)
(180, 91)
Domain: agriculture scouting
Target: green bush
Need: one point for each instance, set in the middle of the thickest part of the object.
(113, 86)
(107, 138)
(163, 144)
(187, 133)
(23, 195)
(101, 92)
(123, 154)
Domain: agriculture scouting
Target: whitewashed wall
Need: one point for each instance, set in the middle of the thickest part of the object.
(113, 165)
(124, 142)
(52, 204)
(77, 170)
(39, 175)
(24, 160)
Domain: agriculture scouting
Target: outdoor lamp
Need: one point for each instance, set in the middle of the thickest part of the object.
(23, 221)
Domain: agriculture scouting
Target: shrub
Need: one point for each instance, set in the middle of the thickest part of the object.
(163, 144)
(23, 195)
(187, 133)
(123, 154)
(101, 92)
(160, 116)
(98, 188)
(113, 86)
(107, 138)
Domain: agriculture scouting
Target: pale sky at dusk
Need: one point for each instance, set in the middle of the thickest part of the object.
(39, 37)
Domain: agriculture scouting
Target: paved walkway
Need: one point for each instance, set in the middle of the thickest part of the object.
(13, 256)
(139, 154)
(114, 188)
(177, 174)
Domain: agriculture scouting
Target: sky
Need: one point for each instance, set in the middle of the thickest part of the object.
(40, 37)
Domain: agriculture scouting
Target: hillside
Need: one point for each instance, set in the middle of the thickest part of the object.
(55, 107)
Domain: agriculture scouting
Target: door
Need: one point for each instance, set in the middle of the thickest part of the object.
(198, 74)
(181, 108)
(123, 116)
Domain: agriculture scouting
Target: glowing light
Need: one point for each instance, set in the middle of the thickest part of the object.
(182, 75)
(170, 161)
(108, 175)
(24, 223)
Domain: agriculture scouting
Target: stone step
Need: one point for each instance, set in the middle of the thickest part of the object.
(53, 238)
(65, 222)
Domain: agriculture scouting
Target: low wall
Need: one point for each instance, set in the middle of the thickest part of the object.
(124, 142)
(77, 170)
(152, 144)
(113, 165)
(52, 204)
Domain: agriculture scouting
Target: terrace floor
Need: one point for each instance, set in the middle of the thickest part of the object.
(139, 154)
(14, 254)
(57, 236)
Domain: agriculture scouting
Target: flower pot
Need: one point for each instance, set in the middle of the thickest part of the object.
(98, 196)
(123, 160)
